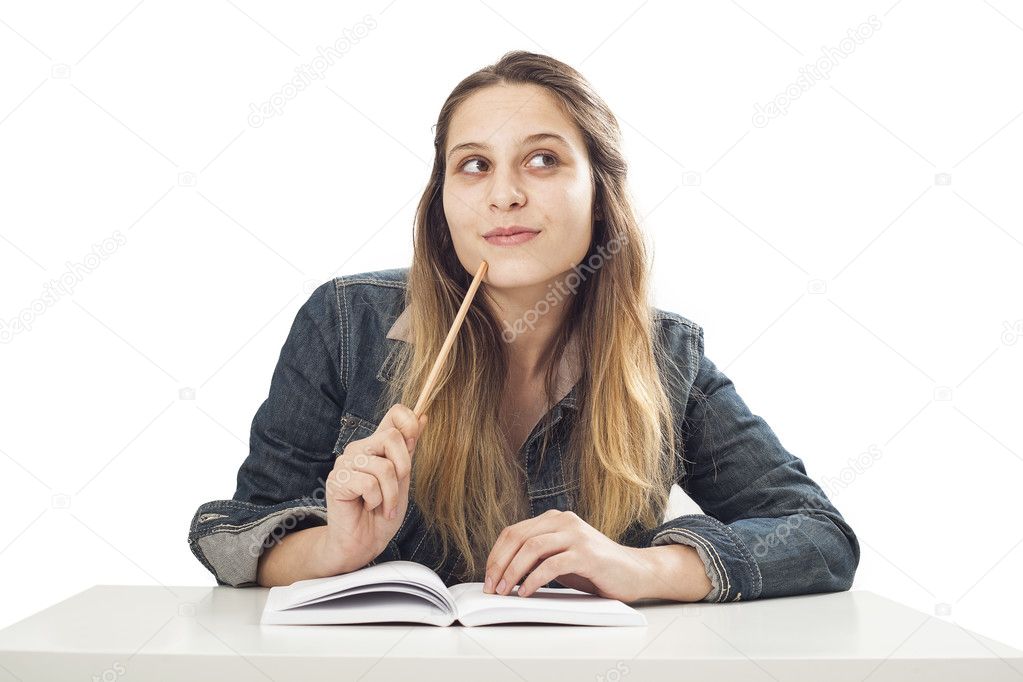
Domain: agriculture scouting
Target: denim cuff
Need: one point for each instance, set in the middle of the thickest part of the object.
(731, 568)
(229, 536)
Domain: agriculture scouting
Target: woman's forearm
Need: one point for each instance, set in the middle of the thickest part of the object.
(677, 573)
(297, 556)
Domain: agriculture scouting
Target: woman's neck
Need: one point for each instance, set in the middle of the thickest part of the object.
(529, 323)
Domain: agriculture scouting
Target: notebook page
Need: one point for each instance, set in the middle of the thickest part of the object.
(546, 605)
(404, 588)
(377, 607)
(403, 572)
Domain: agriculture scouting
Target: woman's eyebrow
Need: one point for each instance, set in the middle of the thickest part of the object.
(535, 137)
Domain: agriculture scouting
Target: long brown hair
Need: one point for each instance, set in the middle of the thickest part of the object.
(466, 481)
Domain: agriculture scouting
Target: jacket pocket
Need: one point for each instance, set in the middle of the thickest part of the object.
(353, 427)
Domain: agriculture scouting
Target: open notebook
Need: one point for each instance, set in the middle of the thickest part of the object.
(404, 591)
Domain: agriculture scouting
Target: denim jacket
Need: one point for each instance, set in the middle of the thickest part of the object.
(768, 530)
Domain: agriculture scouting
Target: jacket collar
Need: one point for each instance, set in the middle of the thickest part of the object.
(569, 367)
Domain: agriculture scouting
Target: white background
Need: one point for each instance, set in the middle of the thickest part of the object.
(855, 262)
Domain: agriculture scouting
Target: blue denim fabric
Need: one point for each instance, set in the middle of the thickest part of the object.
(768, 530)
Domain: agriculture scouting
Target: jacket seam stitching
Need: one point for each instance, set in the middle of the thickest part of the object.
(416, 550)
(563, 487)
(377, 282)
(341, 297)
(751, 564)
(408, 513)
(752, 568)
(238, 528)
(563, 484)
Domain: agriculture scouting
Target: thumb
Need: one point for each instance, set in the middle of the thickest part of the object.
(411, 442)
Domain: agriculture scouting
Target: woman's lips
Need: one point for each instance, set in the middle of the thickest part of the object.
(511, 239)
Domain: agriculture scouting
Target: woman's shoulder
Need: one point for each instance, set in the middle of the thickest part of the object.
(371, 301)
(367, 305)
(682, 339)
(392, 278)
(349, 301)
(678, 326)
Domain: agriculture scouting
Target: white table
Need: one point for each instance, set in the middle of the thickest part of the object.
(124, 633)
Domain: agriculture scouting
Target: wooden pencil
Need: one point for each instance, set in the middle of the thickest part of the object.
(431, 379)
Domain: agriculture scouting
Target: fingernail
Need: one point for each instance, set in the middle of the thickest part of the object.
(488, 583)
(501, 585)
(391, 514)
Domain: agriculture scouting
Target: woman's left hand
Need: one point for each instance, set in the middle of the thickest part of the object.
(558, 545)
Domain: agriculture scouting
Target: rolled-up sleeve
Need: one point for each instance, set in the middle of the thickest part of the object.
(768, 530)
(280, 484)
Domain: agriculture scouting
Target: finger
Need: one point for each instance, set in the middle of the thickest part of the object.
(390, 445)
(403, 419)
(387, 444)
(351, 485)
(512, 537)
(533, 551)
(549, 569)
(415, 439)
(382, 469)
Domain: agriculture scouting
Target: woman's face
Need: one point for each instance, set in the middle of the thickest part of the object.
(514, 159)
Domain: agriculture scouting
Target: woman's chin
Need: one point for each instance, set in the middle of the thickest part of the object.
(508, 276)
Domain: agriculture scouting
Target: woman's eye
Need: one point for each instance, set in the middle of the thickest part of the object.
(553, 158)
(464, 165)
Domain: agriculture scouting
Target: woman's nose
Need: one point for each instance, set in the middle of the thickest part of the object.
(505, 191)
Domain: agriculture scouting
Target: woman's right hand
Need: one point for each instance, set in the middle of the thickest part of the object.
(367, 492)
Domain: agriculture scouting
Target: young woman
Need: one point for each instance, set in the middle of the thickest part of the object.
(567, 408)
